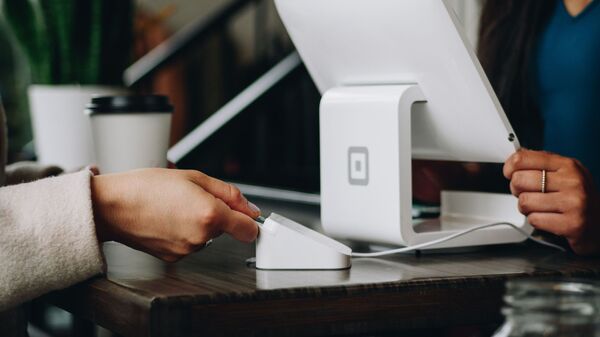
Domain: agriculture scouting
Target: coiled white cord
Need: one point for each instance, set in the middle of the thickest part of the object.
(452, 237)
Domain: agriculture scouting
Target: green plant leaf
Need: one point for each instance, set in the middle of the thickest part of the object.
(117, 40)
(87, 42)
(28, 25)
(73, 41)
(95, 46)
(59, 21)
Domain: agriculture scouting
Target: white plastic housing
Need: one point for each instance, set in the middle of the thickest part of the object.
(346, 43)
(286, 245)
(366, 186)
(375, 61)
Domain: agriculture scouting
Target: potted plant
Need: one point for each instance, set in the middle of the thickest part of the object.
(75, 49)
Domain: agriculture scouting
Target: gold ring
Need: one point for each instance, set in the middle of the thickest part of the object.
(544, 181)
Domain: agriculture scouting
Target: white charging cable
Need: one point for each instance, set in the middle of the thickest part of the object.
(454, 236)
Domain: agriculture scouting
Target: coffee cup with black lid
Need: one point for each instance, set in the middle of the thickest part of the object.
(130, 132)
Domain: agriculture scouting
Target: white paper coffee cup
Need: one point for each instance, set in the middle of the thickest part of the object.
(130, 132)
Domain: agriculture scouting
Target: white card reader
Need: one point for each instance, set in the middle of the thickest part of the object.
(285, 244)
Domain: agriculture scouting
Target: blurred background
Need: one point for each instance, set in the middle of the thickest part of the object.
(273, 142)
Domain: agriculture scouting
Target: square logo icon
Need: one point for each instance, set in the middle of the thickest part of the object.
(358, 166)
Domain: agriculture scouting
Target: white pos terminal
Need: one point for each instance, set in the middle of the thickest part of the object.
(400, 82)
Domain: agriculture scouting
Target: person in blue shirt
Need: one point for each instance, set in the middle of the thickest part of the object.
(543, 60)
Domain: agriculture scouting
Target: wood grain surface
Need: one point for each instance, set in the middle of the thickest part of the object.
(214, 292)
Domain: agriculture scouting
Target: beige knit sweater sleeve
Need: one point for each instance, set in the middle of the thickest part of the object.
(47, 232)
(47, 237)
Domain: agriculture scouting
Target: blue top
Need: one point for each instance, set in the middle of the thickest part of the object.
(567, 77)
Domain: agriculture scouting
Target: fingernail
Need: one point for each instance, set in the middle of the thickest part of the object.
(253, 207)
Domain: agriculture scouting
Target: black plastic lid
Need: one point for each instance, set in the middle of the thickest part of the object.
(129, 104)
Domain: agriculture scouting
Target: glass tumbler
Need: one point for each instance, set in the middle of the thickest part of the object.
(551, 308)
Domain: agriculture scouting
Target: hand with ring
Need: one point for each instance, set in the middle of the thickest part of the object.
(558, 195)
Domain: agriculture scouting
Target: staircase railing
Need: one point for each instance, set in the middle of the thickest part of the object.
(179, 43)
(182, 40)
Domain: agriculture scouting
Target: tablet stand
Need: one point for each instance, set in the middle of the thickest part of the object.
(366, 175)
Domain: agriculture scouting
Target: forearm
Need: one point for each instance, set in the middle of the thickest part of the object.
(48, 238)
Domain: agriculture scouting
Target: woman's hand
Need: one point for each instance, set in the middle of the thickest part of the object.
(169, 213)
(570, 206)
